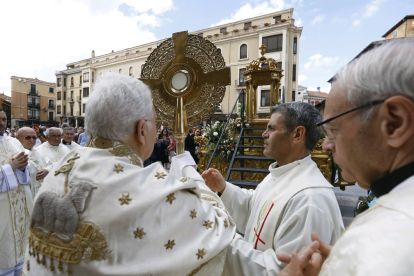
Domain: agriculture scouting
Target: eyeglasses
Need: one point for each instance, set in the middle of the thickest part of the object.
(328, 132)
(69, 134)
(55, 136)
(29, 137)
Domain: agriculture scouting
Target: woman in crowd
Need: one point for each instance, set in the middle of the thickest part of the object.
(171, 147)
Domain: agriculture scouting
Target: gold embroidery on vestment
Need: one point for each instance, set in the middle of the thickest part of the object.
(159, 175)
(184, 179)
(170, 244)
(139, 233)
(65, 169)
(201, 253)
(170, 198)
(193, 214)
(125, 199)
(118, 168)
(226, 223)
(208, 224)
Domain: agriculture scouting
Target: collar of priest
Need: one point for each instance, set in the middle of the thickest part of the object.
(388, 182)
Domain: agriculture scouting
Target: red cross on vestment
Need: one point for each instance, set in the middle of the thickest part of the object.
(261, 228)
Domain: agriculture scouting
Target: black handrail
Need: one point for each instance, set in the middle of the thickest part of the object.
(224, 129)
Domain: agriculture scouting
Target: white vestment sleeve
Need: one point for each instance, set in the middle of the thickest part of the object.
(238, 203)
(24, 177)
(179, 162)
(300, 219)
(7, 179)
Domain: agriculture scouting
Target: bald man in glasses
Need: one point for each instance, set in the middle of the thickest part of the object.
(39, 164)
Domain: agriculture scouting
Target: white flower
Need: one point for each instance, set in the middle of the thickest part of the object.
(231, 138)
(238, 125)
(247, 125)
(228, 152)
(215, 133)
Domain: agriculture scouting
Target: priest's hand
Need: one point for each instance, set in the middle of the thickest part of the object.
(41, 174)
(214, 180)
(19, 162)
(300, 264)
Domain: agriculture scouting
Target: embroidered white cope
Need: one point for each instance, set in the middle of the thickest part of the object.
(279, 216)
(54, 153)
(380, 240)
(14, 200)
(152, 221)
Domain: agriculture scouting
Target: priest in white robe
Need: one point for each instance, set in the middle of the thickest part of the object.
(15, 202)
(39, 164)
(67, 140)
(53, 148)
(291, 202)
(102, 213)
(369, 125)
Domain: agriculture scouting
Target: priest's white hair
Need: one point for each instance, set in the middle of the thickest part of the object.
(117, 102)
(53, 129)
(383, 72)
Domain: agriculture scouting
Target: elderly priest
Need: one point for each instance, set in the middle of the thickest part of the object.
(291, 202)
(53, 148)
(102, 213)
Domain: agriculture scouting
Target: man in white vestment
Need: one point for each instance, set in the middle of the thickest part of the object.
(369, 125)
(101, 212)
(67, 140)
(291, 202)
(16, 202)
(39, 164)
(53, 148)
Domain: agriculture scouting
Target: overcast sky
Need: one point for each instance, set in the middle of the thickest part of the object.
(39, 37)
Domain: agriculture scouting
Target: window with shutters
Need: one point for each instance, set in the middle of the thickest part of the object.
(243, 51)
(241, 76)
(273, 43)
(295, 45)
(265, 98)
(86, 92)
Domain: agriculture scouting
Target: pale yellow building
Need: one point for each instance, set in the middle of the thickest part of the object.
(404, 28)
(33, 101)
(239, 43)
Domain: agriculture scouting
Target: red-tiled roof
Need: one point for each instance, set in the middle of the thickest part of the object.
(317, 94)
(35, 80)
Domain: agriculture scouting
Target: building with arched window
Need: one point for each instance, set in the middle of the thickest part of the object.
(239, 44)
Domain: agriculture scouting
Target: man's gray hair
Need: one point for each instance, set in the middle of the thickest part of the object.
(53, 129)
(381, 73)
(68, 128)
(300, 114)
(64, 125)
(116, 104)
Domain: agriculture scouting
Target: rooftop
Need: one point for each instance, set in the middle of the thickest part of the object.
(317, 94)
(410, 16)
(36, 80)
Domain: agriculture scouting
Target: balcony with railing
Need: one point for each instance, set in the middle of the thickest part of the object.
(33, 105)
(33, 93)
(33, 117)
(51, 106)
(70, 99)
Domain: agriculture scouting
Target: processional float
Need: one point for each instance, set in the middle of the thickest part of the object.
(187, 76)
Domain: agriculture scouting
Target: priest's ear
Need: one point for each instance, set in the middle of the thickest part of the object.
(141, 131)
(298, 135)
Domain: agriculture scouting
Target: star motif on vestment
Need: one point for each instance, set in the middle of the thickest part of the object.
(170, 198)
(201, 253)
(193, 214)
(118, 168)
(226, 223)
(139, 233)
(169, 245)
(125, 199)
(159, 175)
(208, 224)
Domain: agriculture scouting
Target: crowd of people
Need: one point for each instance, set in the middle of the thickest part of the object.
(102, 212)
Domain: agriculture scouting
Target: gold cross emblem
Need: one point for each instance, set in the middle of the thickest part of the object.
(170, 198)
(226, 223)
(169, 245)
(118, 168)
(125, 199)
(139, 233)
(159, 175)
(208, 224)
(193, 214)
(201, 253)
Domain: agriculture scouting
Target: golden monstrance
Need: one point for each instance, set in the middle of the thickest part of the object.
(187, 76)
